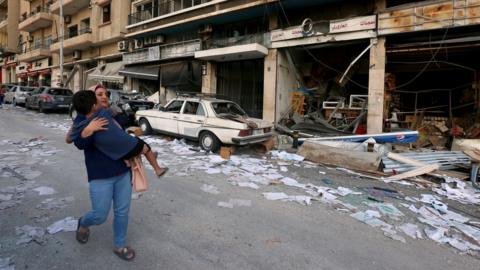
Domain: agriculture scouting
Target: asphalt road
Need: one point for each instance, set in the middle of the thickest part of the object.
(176, 225)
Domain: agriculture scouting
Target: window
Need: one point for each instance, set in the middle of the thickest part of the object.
(85, 24)
(193, 108)
(73, 31)
(175, 106)
(106, 13)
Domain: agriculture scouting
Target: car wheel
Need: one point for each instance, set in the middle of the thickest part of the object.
(209, 142)
(145, 126)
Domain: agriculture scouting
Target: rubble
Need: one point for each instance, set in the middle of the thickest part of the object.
(29, 233)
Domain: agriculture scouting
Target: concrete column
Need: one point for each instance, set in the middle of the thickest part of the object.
(209, 78)
(270, 85)
(376, 86)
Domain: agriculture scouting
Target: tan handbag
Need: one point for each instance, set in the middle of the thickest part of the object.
(139, 180)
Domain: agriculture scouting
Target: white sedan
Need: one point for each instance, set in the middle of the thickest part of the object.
(17, 94)
(211, 121)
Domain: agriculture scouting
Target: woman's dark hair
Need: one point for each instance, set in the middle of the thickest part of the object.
(83, 101)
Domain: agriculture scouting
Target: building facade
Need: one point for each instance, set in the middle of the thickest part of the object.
(274, 58)
(9, 13)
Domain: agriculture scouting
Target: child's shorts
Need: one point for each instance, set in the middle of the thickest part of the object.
(137, 150)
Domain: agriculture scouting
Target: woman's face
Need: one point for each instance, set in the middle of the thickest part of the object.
(102, 98)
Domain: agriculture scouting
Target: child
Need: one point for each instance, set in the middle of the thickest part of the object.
(113, 141)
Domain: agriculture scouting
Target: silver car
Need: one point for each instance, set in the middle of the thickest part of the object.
(17, 95)
(50, 98)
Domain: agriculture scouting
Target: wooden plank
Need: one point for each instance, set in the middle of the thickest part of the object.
(416, 172)
(361, 161)
(437, 173)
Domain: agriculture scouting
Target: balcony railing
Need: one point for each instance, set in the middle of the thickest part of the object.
(35, 12)
(34, 47)
(167, 51)
(260, 38)
(164, 8)
(72, 34)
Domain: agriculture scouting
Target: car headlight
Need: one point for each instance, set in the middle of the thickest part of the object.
(126, 107)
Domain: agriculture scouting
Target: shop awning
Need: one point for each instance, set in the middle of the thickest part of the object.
(107, 73)
(146, 73)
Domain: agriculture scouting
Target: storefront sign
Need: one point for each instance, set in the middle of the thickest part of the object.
(354, 24)
(40, 64)
(291, 33)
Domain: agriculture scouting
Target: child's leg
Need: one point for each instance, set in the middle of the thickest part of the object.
(152, 159)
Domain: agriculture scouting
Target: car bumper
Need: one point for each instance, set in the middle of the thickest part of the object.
(53, 106)
(20, 100)
(251, 139)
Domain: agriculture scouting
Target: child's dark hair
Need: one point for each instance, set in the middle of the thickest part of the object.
(83, 101)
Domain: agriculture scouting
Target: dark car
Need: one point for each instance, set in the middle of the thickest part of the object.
(126, 103)
(49, 98)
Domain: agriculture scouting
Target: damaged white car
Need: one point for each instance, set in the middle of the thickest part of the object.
(212, 122)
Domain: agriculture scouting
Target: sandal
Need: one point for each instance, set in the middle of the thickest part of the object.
(165, 170)
(125, 253)
(82, 237)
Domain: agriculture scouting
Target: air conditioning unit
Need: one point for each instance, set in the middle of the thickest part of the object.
(138, 44)
(158, 39)
(122, 45)
(77, 54)
(147, 41)
(67, 19)
(30, 38)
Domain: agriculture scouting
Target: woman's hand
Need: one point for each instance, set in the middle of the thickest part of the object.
(97, 124)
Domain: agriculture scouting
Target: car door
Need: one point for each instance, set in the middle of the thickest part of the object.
(191, 119)
(166, 119)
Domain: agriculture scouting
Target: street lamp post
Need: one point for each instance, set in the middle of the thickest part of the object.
(61, 41)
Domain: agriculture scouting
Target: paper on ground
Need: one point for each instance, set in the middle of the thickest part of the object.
(44, 191)
(235, 202)
(210, 189)
(68, 224)
(411, 230)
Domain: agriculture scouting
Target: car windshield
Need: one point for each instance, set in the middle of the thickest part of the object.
(228, 108)
(27, 89)
(60, 92)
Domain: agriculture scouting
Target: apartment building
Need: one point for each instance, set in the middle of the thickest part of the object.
(35, 24)
(9, 13)
(91, 30)
(180, 45)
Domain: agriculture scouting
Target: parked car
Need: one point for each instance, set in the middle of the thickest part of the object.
(210, 121)
(49, 98)
(17, 94)
(124, 102)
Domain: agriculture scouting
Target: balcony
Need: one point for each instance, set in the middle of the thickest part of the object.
(38, 19)
(34, 53)
(162, 52)
(78, 40)
(70, 7)
(165, 8)
(236, 48)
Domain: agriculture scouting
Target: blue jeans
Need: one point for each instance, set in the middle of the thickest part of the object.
(102, 192)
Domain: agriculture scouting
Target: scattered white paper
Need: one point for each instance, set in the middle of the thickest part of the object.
(411, 230)
(210, 189)
(44, 191)
(68, 224)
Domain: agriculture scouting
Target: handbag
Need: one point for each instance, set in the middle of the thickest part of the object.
(139, 180)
